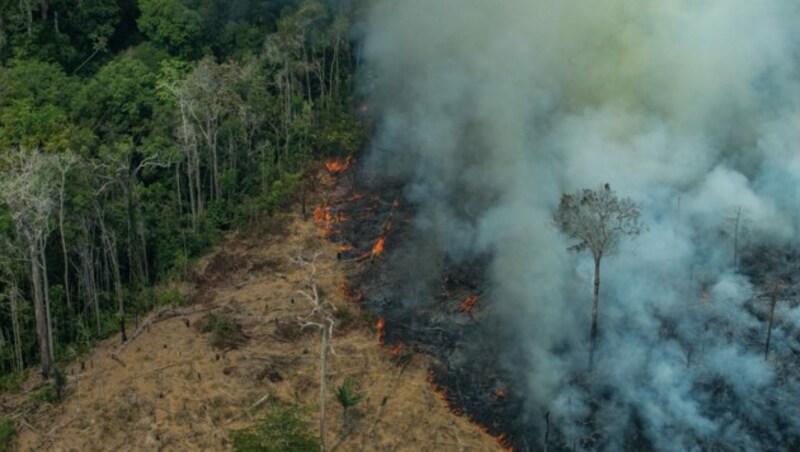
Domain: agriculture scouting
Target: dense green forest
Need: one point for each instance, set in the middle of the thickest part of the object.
(133, 133)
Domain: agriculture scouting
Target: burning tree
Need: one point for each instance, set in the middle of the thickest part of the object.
(596, 220)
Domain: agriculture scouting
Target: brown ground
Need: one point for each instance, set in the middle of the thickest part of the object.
(170, 389)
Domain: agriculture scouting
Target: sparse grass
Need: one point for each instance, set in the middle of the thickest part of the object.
(11, 382)
(8, 433)
(59, 384)
(283, 429)
(403, 355)
(45, 394)
(54, 392)
(345, 318)
(226, 332)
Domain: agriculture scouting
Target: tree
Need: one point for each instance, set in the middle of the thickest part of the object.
(737, 222)
(171, 25)
(29, 192)
(596, 220)
(321, 318)
(775, 289)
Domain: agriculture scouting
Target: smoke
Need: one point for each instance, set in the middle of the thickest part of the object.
(490, 110)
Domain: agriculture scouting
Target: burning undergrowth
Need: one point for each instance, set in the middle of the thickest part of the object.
(452, 319)
(372, 223)
(487, 112)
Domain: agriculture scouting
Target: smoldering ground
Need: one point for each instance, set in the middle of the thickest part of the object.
(489, 111)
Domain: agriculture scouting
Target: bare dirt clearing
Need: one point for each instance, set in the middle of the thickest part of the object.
(193, 373)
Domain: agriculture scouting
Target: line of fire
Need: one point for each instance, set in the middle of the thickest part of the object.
(368, 223)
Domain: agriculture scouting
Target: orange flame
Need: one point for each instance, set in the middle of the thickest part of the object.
(336, 166)
(469, 303)
(500, 394)
(501, 439)
(397, 350)
(350, 294)
(345, 247)
(325, 221)
(377, 249)
(379, 326)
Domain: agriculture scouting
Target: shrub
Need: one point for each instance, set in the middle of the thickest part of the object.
(282, 430)
(225, 331)
(11, 382)
(346, 394)
(7, 434)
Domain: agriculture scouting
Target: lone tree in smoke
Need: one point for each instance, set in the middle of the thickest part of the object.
(597, 220)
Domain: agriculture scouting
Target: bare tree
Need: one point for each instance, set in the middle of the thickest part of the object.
(10, 255)
(737, 222)
(596, 220)
(28, 190)
(321, 318)
(64, 162)
(775, 290)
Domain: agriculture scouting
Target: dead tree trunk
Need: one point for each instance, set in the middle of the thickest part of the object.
(320, 317)
(775, 291)
(40, 312)
(595, 303)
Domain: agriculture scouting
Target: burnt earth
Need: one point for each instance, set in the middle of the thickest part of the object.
(444, 316)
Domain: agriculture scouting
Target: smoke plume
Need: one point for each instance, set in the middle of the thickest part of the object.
(490, 110)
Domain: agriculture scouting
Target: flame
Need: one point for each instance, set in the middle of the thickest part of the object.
(379, 327)
(350, 294)
(397, 350)
(377, 249)
(441, 391)
(469, 303)
(500, 394)
(336, 166)
(503, 442)
(325, 221)
(345, 247)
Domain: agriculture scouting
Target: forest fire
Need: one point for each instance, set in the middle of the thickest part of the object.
(377, 249)
(500, 394)
(468, 305)
(337, 166)
(379, 327)
(325, 221)
(350, 294)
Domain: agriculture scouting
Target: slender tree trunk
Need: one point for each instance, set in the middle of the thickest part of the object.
(63, 239)
(772, 303)
(18, 359)
(198, 184)
(39, 308)
(215, 163)
(323, 362)
(736, 239)
(46, 287)
(595, 302)
(111, 252)
(334, 67)
(28, 11)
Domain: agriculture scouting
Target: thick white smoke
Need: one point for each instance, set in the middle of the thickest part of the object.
(492, 109)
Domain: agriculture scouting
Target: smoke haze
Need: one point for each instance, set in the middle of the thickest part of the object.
(490, 110)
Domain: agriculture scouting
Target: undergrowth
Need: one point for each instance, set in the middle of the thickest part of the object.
(283, 429)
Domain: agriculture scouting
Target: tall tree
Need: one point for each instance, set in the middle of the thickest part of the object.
(596, 220)
(28, 190)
